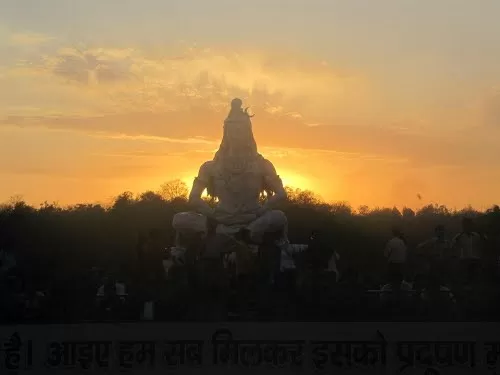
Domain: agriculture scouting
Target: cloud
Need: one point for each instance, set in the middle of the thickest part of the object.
(133, 79)
(93, 66)
(29, 39)
(273, 110)
(294, 115)
(172, 96)
(152, 138)
(204, 128)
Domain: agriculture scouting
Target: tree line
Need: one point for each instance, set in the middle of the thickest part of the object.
(52, 241)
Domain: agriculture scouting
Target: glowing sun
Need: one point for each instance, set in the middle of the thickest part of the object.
(294, 180)
(290, 179)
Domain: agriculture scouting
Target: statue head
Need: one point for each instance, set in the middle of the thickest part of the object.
(238, 139)
(237, 108)
(236, 104)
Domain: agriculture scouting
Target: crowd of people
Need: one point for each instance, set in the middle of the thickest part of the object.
(443, 278)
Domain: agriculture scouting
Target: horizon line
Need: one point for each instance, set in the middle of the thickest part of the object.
(107, 203)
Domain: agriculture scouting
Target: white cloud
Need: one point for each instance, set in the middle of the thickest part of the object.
(130, 79)
(150, 138)
(294, 115)
(274, 109)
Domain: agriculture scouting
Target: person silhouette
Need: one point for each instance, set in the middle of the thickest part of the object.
(467, 246)
(435, 250)
(396, 254)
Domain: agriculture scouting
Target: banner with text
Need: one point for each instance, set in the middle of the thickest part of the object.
(355, 348)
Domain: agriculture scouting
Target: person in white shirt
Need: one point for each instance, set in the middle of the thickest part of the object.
(288, 269)
(332, 266)
(467, 247)
(176, 257)
(287, 261)
(396, 254)
(286, 280)
(396, 249)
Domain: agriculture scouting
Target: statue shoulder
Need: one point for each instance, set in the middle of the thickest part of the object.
(267, 167)
(206, 171)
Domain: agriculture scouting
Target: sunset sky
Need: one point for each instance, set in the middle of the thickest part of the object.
(370, 102)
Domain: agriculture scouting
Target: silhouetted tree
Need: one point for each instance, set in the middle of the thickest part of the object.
(408, 213)
(364, 210)
(174, 189)
(123, 200)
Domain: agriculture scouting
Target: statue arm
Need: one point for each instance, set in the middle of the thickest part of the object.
(199, 185)
(273, 181)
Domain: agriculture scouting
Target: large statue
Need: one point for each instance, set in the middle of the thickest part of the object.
(236, 177)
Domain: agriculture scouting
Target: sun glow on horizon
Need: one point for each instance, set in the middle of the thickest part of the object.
(188, 179)
(290, 179)
(295, 181)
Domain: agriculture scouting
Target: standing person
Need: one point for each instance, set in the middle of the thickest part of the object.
(396, 252)
(321, 273)
(154, 255)
(151, 271)
(286, 279)
(322, 257)
(111, 295)
(467, 246)
(435, 250)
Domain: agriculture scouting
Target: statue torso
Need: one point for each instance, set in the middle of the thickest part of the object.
(237, 186)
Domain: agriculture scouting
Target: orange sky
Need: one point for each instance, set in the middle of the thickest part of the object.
(370, 104)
